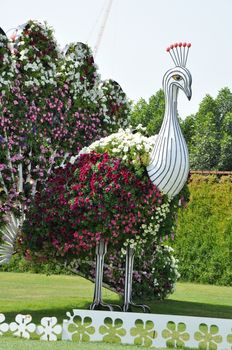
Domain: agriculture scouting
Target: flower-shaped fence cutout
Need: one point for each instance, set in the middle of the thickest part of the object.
(3, 326)
(208, 337)
(143, 332)
(176, 334)
(229, 338)
(23, 326)
(112, 330)
(81, 329)
(49, 329)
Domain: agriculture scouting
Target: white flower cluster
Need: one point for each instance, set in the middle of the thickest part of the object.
(153, 227)
(7, 65)
(115, 98)
(133, 148)
(43, 76)
(81, 75)
(74, 62)
(148, 231)
(165, 260)
(36, 73)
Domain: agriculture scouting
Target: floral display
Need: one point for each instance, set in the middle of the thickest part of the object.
(103, 199)
(115, 104)
(155, 272)
(7, 66)
(103, 194)
(37, 56)
(133, 149)
(69, 182)
(47, 113)
(79, 71)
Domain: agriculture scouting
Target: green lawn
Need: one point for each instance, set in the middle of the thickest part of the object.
(19, 344)
(43, 295)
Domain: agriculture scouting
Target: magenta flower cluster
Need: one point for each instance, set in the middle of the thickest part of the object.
(96, 198)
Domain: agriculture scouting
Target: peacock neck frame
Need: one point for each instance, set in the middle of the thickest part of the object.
(169, 165)
(171, 95)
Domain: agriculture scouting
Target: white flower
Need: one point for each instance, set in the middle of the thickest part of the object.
(23, 326)
(3, 326)
(49, 328)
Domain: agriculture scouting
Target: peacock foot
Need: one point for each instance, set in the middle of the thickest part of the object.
(100, 305)
(127, 307)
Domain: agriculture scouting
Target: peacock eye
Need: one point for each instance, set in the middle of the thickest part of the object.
(177, 77)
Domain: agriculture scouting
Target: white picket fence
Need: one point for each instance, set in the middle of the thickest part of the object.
(127, 328)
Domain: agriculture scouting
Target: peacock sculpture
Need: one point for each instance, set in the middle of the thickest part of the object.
(85, 192)
(94, 199)
(169, 161)
(169, 165)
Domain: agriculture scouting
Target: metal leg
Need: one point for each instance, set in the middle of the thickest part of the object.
(130, 253)
(101, 249)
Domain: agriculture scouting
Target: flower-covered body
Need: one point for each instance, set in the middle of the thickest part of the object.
(105, 193)
(96, 198)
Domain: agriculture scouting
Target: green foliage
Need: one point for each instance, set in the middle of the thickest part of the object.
(210, 146)
(205, 140)
(208, 133)
(149, 114)
(19, 264)
(225, 161)
(187, 127)
(205, 149)
(208, 105)
(204, 234)
(224, 101)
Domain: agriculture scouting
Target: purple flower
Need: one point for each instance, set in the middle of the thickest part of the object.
(2, 140)
(2, 167)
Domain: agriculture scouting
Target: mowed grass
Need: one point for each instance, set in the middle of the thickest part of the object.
(20, 344)
(41, 295)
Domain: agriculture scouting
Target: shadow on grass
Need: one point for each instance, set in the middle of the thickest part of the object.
(60, 313)
(187, 308)
(168, 307)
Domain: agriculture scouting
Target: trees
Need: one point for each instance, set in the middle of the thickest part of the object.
(210, 148)
(208, 133)
(149, 114)
(205, 142)
(225, 161)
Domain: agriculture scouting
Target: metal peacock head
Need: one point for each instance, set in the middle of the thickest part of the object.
(179, 76)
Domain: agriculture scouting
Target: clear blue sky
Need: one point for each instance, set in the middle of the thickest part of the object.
(137, 32)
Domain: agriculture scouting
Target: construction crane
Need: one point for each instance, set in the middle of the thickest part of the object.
(102, 28)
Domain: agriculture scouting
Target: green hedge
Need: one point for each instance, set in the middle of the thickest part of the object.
(203, 242)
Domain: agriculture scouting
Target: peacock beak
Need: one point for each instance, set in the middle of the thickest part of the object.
(189, 93)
